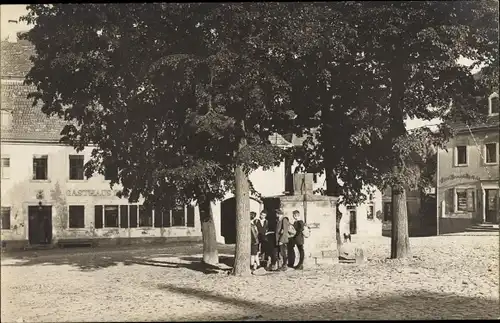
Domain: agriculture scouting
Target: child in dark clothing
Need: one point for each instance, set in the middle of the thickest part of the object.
(254, 247)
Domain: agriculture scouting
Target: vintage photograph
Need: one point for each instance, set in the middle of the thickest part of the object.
(250, 161)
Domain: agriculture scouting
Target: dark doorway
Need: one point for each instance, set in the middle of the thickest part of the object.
(40, 224)
(271, 205)
(228, 217)
(491, 205)
(353, 226)
(228, 220)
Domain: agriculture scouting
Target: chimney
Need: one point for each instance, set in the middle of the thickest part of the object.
(5, 118)
(12, 37)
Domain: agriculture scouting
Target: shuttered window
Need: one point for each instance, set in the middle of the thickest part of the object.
(145, 216)
(448, 201)
(123, 216)
(165, 214)
(461, 155)
(98, 223)
(178, 217)
(5, 225)
(471, 200)
(133, 216)
(491, 153)
(40, 167)
(158, 222)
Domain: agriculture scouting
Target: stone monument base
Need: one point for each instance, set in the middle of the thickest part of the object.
(318, 212)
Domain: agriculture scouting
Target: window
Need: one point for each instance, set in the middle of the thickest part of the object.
(461, 158)
(178, 217)
(111, 216)
(493, 104)
(40, 168)
(461, 200)
(98, 217)
(158, 218)
(165, 214)
(76, 167)
(388, 211)
(76, 216)
(123, 216)
(5, 167)
(5, 218)
(145, 216)
(190, 216)
(465, 200)
(133, 216)
(369, 213)
(491, 153)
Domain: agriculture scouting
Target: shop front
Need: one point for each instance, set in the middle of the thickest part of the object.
(465, 201)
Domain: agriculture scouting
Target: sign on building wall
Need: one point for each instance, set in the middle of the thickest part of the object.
(105, 193)
(462, 176)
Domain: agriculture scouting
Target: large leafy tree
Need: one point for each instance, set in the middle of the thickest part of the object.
(180, 99)
(401, 62)
(413, 47)
(332, 111)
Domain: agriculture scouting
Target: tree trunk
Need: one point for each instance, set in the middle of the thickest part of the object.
(338, 218)
(210, 253)
(333, 189)
(242, 197)
(400, 241)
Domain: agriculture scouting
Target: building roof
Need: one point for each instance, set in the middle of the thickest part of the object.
(15, 60)
(491, 122)
(28, 122)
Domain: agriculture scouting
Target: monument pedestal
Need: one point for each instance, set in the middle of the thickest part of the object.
(318, 212)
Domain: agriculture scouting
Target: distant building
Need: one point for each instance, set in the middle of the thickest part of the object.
(468, 174)
(421, 211)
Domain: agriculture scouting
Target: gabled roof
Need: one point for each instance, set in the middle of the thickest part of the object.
(279, 140)
(28, 122)
(15, 60)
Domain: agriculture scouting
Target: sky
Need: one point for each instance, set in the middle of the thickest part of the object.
(13, 12)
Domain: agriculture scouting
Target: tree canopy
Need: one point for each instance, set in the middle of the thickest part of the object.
(160, 89)
(176, 96)
(400, 63)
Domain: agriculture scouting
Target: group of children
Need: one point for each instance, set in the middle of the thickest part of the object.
(274, 242)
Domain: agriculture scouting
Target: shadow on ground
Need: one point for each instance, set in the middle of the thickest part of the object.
(191, 263)
(414, 305)
(88, 259)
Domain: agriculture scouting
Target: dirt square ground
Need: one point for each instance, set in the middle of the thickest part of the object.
(448, 277)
